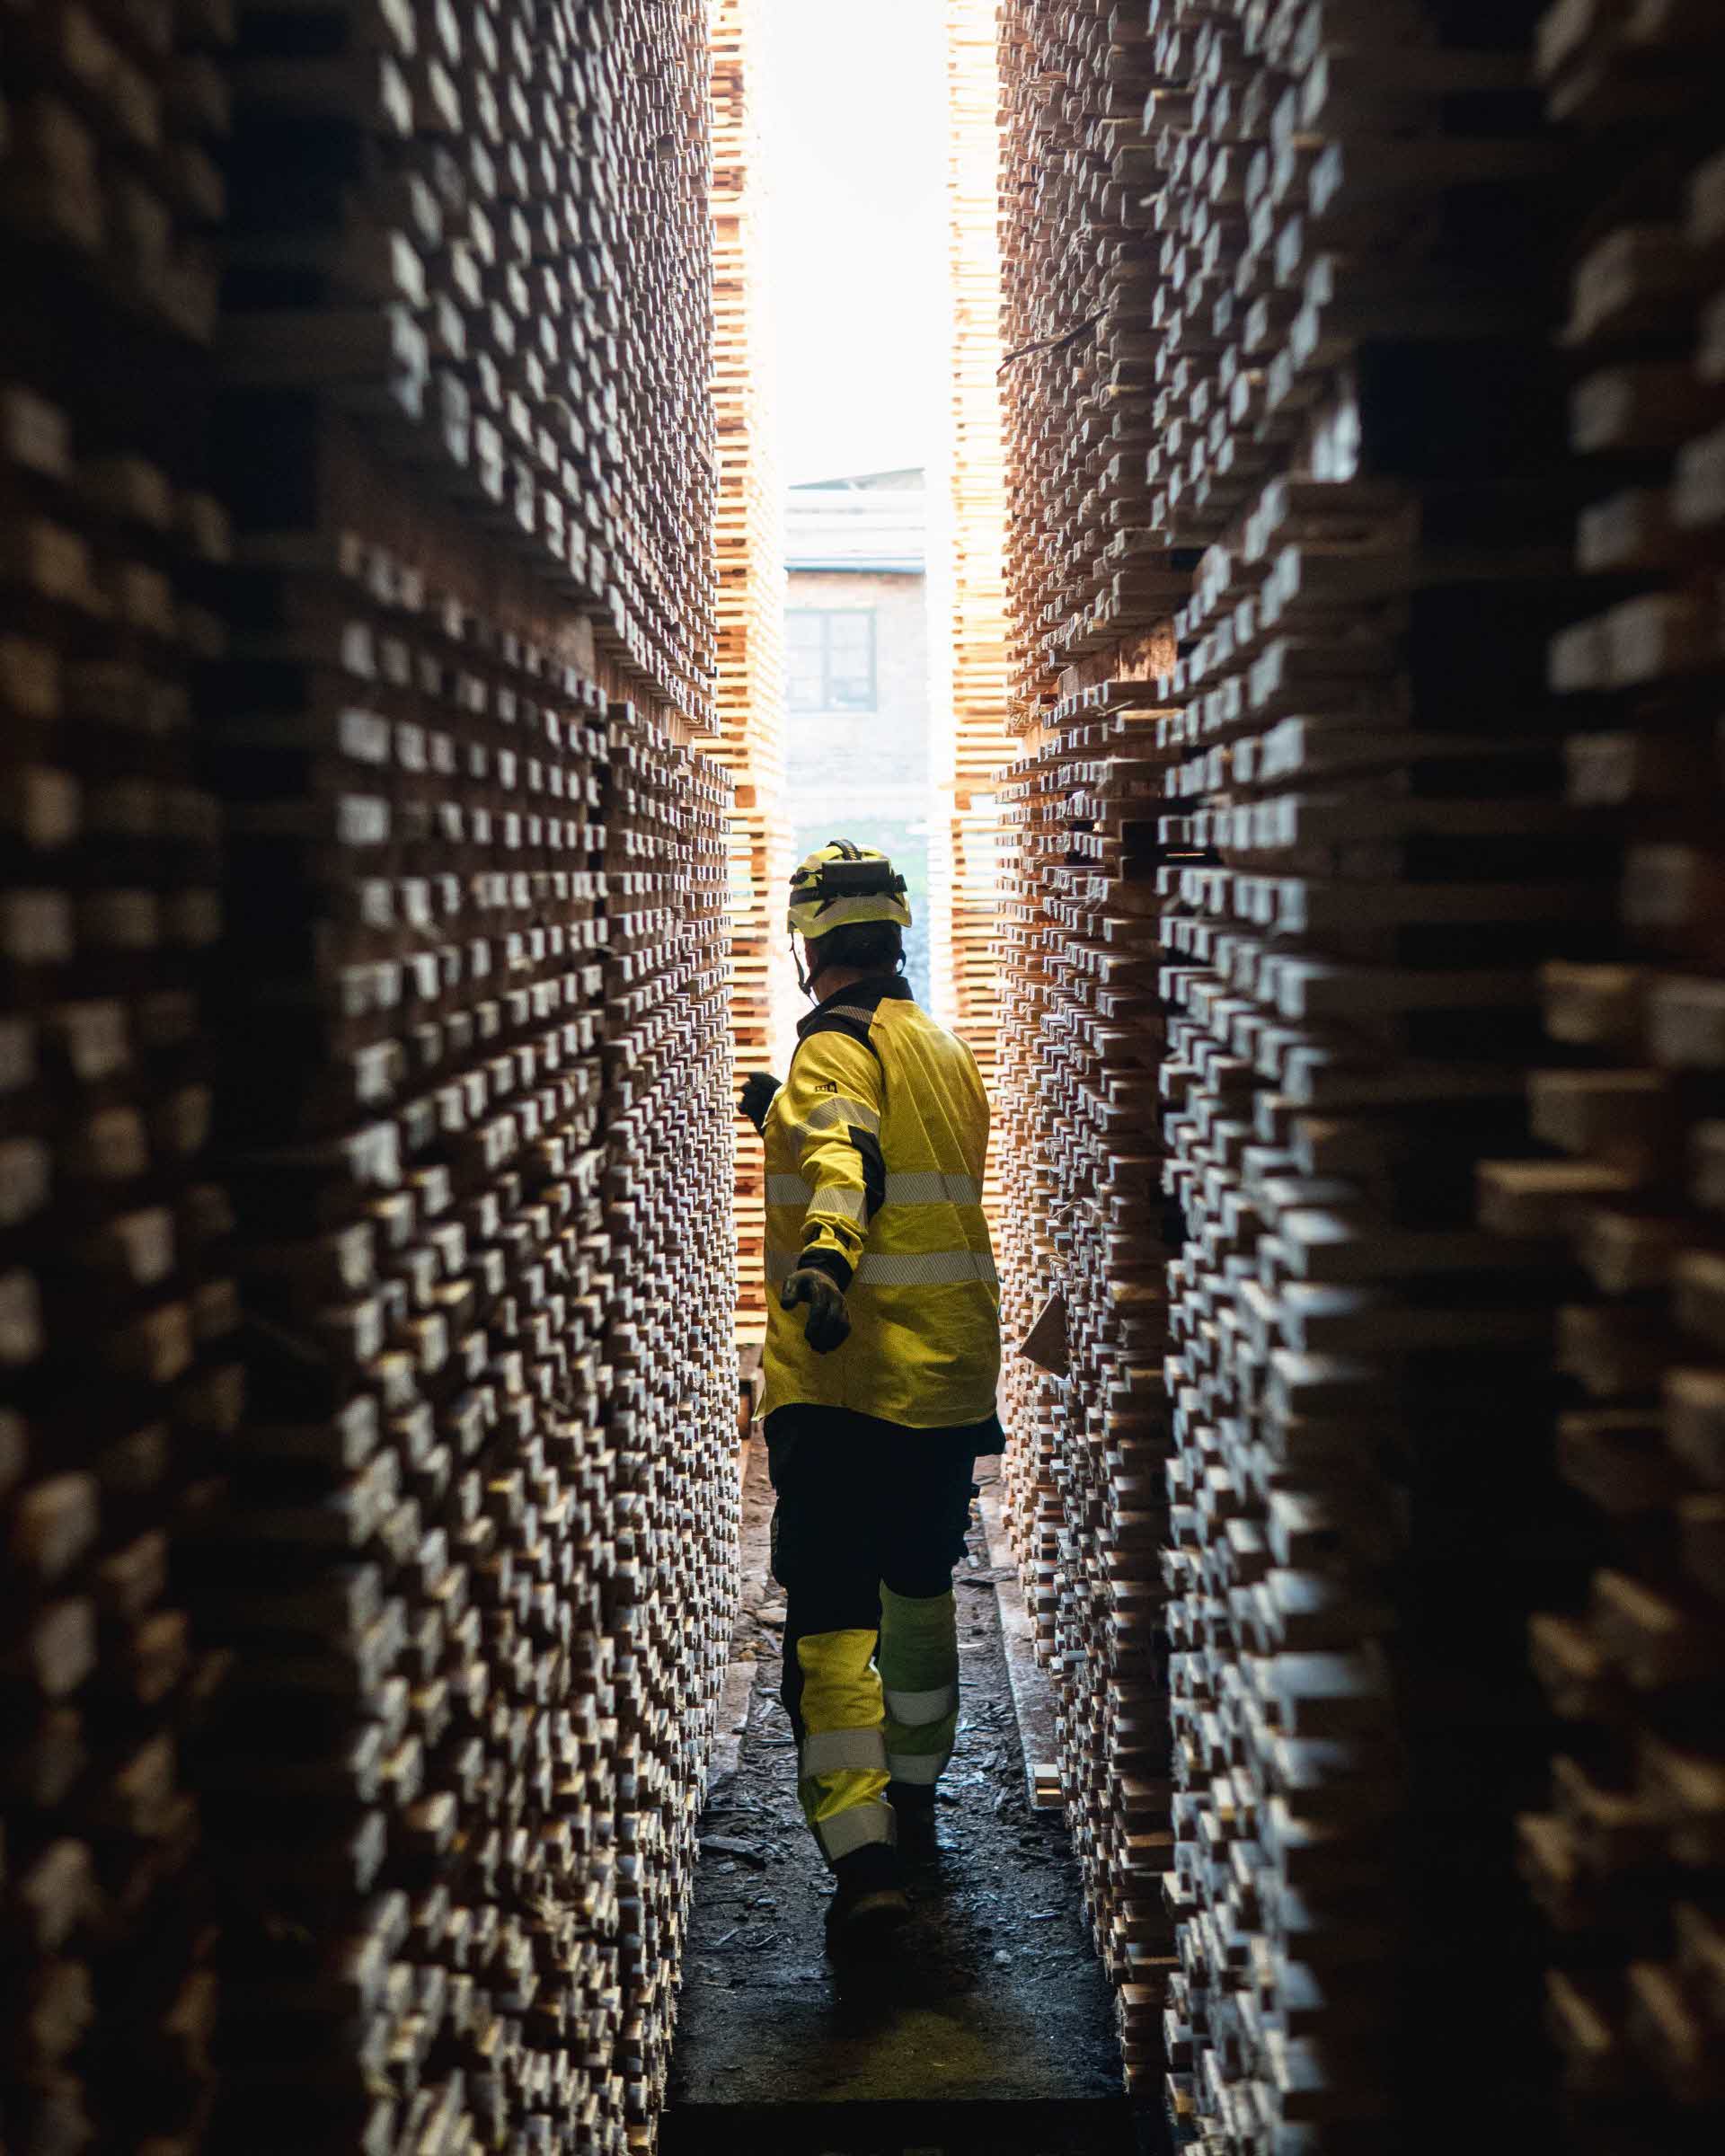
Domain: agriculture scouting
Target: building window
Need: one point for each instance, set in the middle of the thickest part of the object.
(830, 655)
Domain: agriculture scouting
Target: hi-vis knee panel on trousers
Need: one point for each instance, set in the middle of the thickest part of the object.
(919, 1672)
(842, 1762)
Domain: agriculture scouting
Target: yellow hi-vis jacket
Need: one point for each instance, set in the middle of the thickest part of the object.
(875, 1149)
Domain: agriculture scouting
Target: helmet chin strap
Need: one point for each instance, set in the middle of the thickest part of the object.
(805, 980)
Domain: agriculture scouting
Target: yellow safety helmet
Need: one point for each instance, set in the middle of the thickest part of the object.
(840, 885)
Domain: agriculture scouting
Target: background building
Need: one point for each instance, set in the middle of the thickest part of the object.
(857, 676)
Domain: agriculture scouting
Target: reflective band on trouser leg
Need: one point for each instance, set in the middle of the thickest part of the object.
(842, 1765)
(826, 1751)
(919, 1667)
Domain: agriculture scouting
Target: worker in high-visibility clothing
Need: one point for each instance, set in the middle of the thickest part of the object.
(883, 1359)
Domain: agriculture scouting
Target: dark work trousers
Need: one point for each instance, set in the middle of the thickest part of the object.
(862, 1503)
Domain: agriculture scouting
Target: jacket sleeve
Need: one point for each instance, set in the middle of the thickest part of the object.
(831, 1108)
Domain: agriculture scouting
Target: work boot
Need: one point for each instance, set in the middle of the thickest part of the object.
(869, 1903)
(913, 1805)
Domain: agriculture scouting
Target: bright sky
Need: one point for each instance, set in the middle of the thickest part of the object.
(856, 124)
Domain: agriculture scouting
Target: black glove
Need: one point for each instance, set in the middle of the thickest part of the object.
(757, 1096)
(828, 1323)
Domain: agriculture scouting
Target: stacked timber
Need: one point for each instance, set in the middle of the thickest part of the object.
(1030, 1392)
(1356, 426)
(477, 1560)
(1086, 1477)
(748, 735)
(363, 1029)
(1089, 590)
(118, 1370)
(495, 249)
(1276, 365)
(1625, 1853)
(1090, 583)
(971, 741)
(473, 1565)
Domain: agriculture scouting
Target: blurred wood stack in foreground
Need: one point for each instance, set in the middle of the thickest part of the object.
(1625, 1851)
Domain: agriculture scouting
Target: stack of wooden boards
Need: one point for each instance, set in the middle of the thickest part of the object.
(1083, 1220)
(492, 240)
(1087, 576)
(1360, 429)
(119, 1364)
(748, 735)
(1626, 1854)
(366, 1025)
(971, 741)
(476, 1565)
(1279, 364)
(1081, 1019)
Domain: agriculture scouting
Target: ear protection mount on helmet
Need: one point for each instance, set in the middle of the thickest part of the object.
(854, 879)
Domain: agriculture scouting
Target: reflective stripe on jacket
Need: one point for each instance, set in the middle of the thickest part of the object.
(875, 1150)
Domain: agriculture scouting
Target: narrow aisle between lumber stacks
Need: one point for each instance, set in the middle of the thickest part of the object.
(991, 2025)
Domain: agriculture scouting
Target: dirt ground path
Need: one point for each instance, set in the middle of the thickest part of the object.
(995, 1997)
